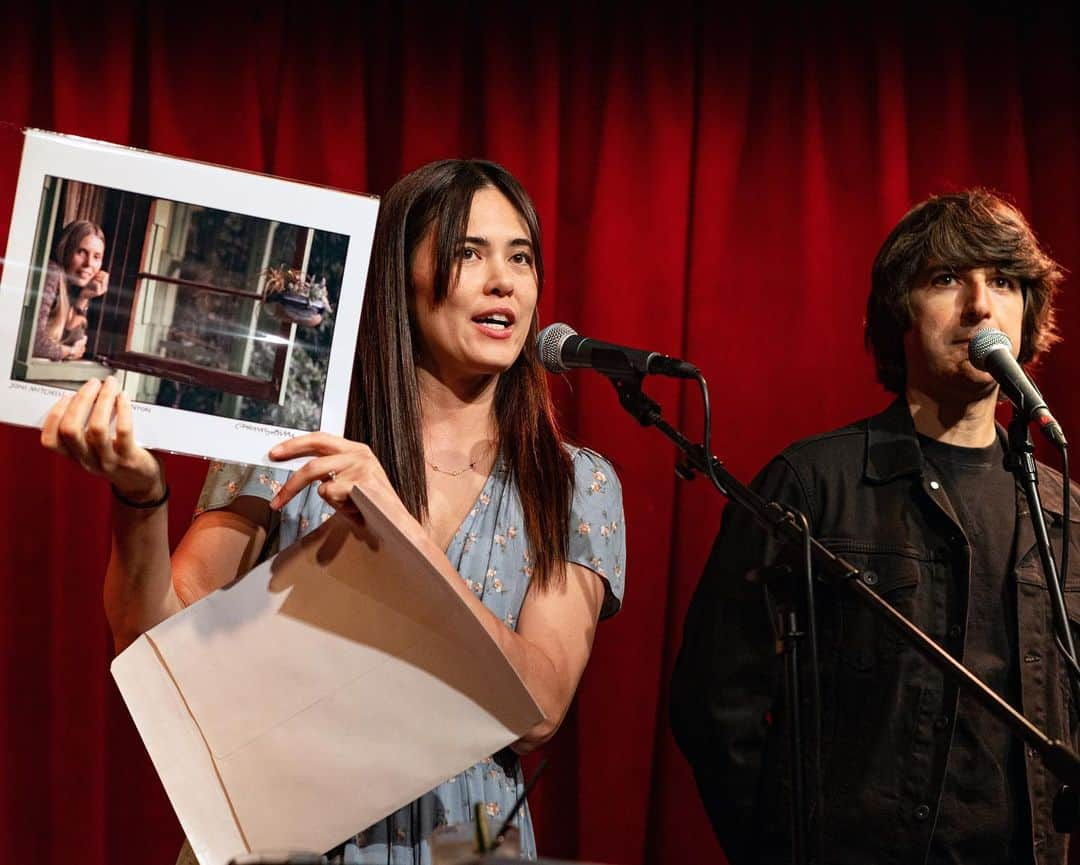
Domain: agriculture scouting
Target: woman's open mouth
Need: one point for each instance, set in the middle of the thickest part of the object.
(496, 324)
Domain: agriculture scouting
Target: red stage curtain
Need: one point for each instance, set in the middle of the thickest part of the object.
(712, 184)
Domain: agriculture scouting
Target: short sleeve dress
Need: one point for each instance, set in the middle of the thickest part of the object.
(491, 553)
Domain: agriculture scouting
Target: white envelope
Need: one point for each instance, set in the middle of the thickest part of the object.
(322, 691)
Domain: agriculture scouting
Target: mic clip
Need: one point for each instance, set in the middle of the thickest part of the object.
(628, 386)
(684, 470)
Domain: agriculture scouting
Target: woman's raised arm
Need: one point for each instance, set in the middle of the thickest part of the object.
(143, 586)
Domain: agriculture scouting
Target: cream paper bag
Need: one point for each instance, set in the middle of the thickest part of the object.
(322, 691)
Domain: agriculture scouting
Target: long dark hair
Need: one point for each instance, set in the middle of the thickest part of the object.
(972, 228)
(384, 406)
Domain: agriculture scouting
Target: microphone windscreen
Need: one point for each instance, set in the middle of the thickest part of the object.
(983, 343)
(549, 343)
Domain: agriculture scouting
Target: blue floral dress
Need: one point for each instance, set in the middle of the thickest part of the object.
(491, 554)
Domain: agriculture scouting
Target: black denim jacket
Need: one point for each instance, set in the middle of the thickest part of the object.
(887, 714)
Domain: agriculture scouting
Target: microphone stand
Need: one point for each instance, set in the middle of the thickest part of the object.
(1058, 757)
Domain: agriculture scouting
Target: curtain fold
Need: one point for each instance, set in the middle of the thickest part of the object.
(712, 184)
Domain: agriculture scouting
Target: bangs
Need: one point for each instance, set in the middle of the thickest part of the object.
(451, 225)
(446, 213)
(986, 236)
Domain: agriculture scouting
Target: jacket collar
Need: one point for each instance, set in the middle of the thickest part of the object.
(892, 448)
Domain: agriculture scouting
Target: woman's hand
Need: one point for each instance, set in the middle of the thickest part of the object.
(78, 427)
(339, 464)
(97, 286)
(75, 351)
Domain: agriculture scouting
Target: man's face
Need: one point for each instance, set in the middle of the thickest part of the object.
(947, 307)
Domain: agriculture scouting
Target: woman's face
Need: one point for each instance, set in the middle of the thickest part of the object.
(85, 262)
(481, 326)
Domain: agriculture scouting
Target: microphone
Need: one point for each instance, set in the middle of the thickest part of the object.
(562, 348)
(991, 351)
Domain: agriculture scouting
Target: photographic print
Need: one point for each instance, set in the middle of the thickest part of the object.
(226, 303)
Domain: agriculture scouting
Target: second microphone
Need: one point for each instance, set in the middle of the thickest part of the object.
(562, 348)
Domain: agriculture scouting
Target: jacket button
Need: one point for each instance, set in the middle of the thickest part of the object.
(954, 632)
(941, 722)
(870, 578)
(934, 485)
(922, 812)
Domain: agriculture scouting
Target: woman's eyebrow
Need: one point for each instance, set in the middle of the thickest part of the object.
(483, 241)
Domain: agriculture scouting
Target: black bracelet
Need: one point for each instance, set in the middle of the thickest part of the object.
(141, 506)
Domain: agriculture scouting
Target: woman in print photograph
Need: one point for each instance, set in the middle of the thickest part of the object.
(73, 278)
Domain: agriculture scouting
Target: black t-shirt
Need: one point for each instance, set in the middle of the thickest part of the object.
(984, 814)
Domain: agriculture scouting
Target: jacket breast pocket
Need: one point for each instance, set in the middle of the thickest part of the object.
(1029, 572)
(862, 638)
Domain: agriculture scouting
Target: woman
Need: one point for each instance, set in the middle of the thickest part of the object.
(76, 264)
(450, 432)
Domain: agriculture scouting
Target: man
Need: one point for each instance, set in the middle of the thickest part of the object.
(917, 497)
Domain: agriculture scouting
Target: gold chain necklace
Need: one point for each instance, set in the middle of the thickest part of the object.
(453, 474)
(456, 473)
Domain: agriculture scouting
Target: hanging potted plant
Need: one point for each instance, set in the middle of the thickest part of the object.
(296, 296)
